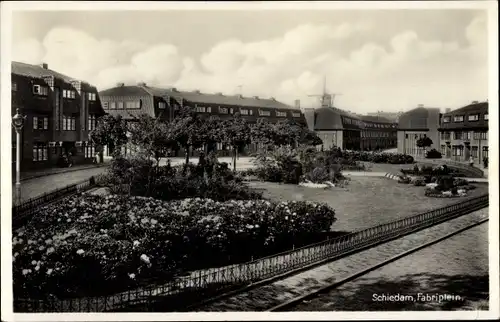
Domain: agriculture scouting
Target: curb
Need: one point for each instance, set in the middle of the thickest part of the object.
(59, 172)
(391, 176)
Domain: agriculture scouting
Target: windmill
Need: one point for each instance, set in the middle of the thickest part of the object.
(327, 99)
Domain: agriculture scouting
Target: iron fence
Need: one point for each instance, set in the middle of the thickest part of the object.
(203, 284)
(25, 210)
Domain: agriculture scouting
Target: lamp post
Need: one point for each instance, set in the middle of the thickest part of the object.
(18, 123)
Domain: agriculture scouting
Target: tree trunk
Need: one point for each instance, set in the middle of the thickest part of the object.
(234, 158)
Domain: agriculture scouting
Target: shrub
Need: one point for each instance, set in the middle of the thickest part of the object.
(404, 179)
(485, 162)
(318, 175)
(419, 183)
(460, 182)
(90, 245)
(433, 154)
(454, 191)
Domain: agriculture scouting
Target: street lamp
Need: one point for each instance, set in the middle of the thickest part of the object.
(18, 123)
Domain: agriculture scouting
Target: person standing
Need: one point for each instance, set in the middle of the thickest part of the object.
(471, 161)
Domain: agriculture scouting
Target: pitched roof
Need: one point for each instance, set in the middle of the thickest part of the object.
(479, 107)
(374, 118)
(474, 108)
(36, 71)
(125, 91)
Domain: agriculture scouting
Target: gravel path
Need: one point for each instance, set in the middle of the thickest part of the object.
(264, 297)
(455, 266)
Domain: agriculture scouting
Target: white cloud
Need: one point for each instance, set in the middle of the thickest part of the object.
(396, 75)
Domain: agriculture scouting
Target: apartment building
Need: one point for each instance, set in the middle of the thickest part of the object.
(60, 112)
(464, 133)
(418, 123)
(131, 100)
(349, 131)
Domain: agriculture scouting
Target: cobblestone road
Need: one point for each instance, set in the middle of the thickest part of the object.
(457, 266)
(280, 291)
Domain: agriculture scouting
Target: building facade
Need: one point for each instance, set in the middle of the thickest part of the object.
(340, 128)
(415, 124)
(163, 103)
(464, 133)
(60, 112)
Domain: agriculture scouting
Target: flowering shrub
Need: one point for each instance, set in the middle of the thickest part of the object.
(378, 157)
(89, 244)
(433, 154)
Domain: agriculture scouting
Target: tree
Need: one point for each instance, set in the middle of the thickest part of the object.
(262, 132)
(187, 130)
(424, 142)
(235, 133)
(110, 131)
(152, 136)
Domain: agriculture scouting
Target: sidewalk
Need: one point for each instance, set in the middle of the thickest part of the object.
(28, 175)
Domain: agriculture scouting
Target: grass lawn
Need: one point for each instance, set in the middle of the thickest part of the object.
(365, 201)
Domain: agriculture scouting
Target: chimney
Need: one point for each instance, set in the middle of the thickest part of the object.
(447, 110)
(273, 99)
(173, 89)
(197, 91)
(420, 105)
(219, 93)
(240, 96)
(475, 102)
(141, 84)
(256, 97)
(120, 84)
(44, 66)
(297, 103)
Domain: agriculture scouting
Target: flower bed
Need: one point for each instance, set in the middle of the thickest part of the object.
(378, 157)
(91, 245)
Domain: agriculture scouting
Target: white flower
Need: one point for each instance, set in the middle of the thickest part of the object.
(41, 248)
(26, 271)
(48, 241)
(286, 217)
(132, 276)
(16, 254)
(20, 234)
(145, 258)
(49, 271)
(50, 250)
(154, 221)
(136, 243)
(80, 252)
(68, 220)
(33, 262)
(37, 268)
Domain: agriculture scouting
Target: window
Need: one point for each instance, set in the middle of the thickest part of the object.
(89, 150)
(105, 105)
(40, 123)
(264, 113)
(119, 106)
(69, 123)
(296, 114)
(446, 119)
(474, 151)
(130, 105)
(40, 152)
(201, 109)
(457, 135)
(458, 150)
(92, 122)
(480, 136)
(445, 135)
(162, 105)
(231, 110)
(406, 136)
(14, 86)
(443, 149)
(112, 105)
(458, 118)
(485, 151)
(280, 114)
(223, 110)
(243, 112)
(92, 96)
(67, 93)
(209, 109)
(250, 112)
(473, 117)
(40, 90)
(486, 117)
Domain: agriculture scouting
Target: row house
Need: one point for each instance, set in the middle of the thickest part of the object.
(349, 131)
(130, 101)
(464, 133)
(60, 112)
(418, 123)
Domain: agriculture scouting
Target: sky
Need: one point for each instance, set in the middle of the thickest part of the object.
(389, 60)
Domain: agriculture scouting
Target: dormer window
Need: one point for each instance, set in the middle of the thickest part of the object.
(446, 119)
(486, 117)
(458, 118)
(473, 117)
(40, 90)
(264, 113)
(280, 114)
(69, 93)
(92, 96)
(296, 114)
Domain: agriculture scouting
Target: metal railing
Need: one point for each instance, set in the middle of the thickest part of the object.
(204, 284)
(25, 210)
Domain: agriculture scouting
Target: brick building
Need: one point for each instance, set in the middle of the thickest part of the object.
(340, 128)
(60, 113)
(130, 100)
(415, 124)
(464, 133)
